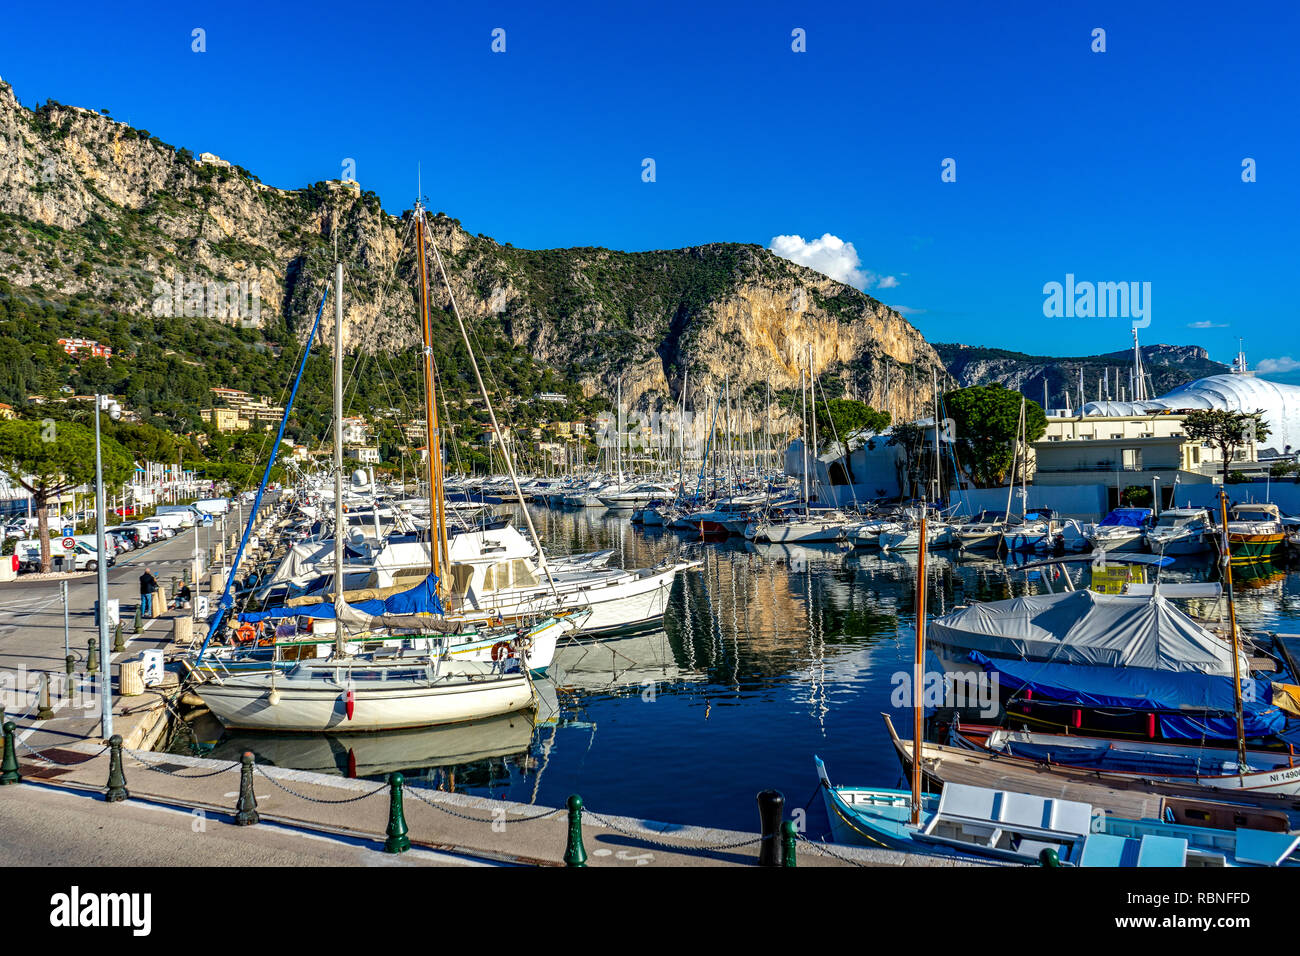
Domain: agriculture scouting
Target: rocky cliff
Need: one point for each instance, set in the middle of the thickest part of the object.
(1166, 365)
(95, 212)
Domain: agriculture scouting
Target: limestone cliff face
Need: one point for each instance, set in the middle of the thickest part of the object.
(92, 208)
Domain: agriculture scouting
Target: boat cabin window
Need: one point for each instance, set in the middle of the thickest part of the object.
(524, 575)
(461, 575)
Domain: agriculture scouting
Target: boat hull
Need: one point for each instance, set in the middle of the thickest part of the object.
(246, 704)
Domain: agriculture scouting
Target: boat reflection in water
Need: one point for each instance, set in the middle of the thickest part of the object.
(378, 754)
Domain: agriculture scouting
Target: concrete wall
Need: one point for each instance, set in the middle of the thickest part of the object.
(1085, 502)
(1284, 494)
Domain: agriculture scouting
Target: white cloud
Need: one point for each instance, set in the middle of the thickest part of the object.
(907, 310)
(831, 256)
(1273, 366)
(1207, 324)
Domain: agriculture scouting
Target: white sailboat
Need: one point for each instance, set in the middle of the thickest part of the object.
(387, 689)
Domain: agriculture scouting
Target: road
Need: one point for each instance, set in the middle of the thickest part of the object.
(32, 632)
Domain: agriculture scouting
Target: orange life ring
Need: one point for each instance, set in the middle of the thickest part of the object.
(245, 634)
(501, 649)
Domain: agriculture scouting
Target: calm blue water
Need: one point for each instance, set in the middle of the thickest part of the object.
(769, 654)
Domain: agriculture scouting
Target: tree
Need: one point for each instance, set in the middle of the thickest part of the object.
(1136, 496)
(1225, 430)
(50, 458)
(846, 418)
(986, 422)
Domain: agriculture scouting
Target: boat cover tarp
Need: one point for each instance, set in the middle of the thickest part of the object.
(1187, 705)
(421, 599)
(306, 557)
(1127, 517)
(1084, 627)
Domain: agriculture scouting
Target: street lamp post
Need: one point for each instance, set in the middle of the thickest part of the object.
(101, 569)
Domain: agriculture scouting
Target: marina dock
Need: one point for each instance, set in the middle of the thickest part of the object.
(307, 819)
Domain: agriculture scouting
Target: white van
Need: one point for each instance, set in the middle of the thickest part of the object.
(175, 520)
(186, 515)
(82, 557)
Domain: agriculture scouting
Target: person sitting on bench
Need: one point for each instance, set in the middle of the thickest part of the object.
(184, 597)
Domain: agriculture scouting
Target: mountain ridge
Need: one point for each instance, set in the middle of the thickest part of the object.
(96, 215)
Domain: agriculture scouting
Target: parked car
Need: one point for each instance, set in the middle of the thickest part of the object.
(124, 541)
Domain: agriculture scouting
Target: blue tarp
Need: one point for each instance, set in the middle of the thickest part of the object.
(1127, 517)
(421, 599)
(1187, 704)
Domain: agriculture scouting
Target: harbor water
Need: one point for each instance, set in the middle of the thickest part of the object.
(769, 654)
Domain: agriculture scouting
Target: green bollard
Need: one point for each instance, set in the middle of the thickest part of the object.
(246, 808)
(118, 644)
(787, 830)
(398, 841)
(44, 711)
(116, 791)
(92, 658)
(9, 766)
(575, 854)
(139, 624)
(1048, 857)
(70, 665)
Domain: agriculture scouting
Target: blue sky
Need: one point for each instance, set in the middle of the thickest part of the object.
(1117, 166)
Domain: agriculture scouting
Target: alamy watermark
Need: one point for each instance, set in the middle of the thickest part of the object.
(962, 690)
(1101, 300)
(215, 299)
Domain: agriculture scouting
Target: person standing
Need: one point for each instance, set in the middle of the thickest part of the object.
(148, 588)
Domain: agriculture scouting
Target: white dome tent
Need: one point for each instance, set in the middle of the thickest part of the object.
(1230, 392)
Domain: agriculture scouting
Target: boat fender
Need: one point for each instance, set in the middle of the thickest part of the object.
(350, 701)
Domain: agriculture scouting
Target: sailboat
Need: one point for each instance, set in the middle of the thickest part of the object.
(384, 689)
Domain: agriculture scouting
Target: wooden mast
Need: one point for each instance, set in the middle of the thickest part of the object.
(918, 677)
(437, 528)
(1236, 641)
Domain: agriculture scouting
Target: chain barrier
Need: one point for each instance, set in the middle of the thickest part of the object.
(415, 792)
(159, 768)
(40, 754)
(827, 851)
(303, 796)
(606, 822)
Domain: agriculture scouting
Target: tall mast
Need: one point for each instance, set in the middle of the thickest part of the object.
(938, 471)
(492, 416)
(803, 427)
(731, 451)
(339, 527)
(1236, 644)
(437, 529)
(918, 697)
(812, 421)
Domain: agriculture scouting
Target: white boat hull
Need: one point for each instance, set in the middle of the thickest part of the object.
(315, 706)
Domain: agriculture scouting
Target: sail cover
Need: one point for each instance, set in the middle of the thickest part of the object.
(420, 600)
(1084, 627)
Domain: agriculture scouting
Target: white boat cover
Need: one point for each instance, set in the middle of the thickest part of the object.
(1084, 627)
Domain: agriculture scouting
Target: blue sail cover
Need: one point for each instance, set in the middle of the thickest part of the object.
(1127, 517)
(421, 599)
(1188, 705)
